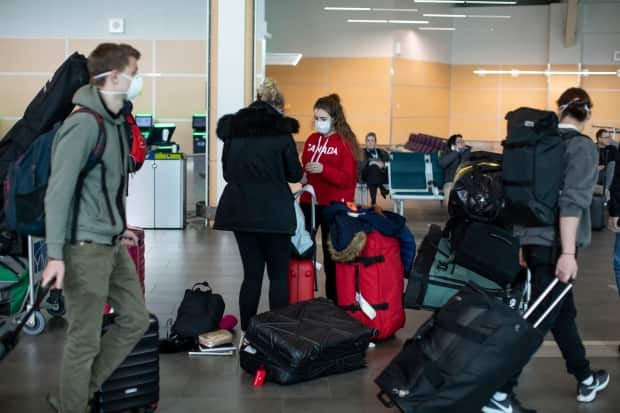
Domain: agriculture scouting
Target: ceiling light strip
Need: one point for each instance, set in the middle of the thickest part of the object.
(496, 2)
(441, 29)
(347, 8)
(408, 21)
(516, 72)
(396, 10)
(487, 16)
(441, 1)
(507, 3)
(366, 21)
(459, 16)
(283, 59)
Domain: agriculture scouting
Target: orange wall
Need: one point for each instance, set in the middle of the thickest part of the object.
(174, 96)
(420, 99)
(373, 99)
(433, 98)
(363, 86)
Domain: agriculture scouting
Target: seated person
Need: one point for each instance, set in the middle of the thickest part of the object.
(451, 160)
(607, 159)
(373, 168)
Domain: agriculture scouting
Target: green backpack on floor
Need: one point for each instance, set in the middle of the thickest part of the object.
(436, 278)
(13, 284)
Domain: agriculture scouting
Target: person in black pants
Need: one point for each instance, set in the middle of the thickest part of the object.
(259, 159)
(551, 252)
(374, 171)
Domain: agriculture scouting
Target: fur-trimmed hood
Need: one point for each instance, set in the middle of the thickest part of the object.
(257, 120)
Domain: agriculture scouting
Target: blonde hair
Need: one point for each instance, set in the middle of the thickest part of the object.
(268, 92)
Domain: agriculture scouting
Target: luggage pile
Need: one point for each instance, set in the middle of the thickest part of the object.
(462, 354)
(459, 254)
(374, 252)
(480, 334)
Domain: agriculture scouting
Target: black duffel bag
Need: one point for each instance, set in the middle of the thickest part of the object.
(486, 249)
(478, 190)
(461, 355)
(200, 312)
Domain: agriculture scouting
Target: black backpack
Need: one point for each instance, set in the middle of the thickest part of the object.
(477, 193)
(533, 167)
(51, 105)
(200, 312)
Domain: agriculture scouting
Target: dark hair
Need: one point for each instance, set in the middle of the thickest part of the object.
(600, 132)
(105, 58)
(131, 51)
(331, 105)
(452, 139)
(369, 134)
(576, 103)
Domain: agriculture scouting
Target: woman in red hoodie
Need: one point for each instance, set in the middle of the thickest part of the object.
(330, 162)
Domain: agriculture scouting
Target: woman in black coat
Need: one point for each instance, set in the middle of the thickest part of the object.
(259, 160)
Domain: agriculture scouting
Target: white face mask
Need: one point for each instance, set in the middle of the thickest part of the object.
(323, 126)
(135, 87)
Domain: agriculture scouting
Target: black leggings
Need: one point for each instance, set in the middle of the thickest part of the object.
(561, 321)
(258, 249)
(374, 178)
(328, 264)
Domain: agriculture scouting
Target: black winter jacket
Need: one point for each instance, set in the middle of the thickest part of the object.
(259, 159)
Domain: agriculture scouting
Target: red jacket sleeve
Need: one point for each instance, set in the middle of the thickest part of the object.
(343, 176)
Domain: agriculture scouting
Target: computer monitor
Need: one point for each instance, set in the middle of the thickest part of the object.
(161, 133)
(199, 122)
(144, 121)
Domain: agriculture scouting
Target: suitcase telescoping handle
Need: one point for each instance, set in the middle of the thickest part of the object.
(544, 295)
(310, 190)
(313, 202)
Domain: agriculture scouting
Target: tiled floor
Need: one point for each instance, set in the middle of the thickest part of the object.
(177, 259)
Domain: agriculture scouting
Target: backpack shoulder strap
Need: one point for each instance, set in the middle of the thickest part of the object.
(94, 159)
(97, 153)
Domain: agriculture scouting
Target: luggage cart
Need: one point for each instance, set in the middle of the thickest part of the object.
(54, 304)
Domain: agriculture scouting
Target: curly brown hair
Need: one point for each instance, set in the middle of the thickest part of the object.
(331, 104)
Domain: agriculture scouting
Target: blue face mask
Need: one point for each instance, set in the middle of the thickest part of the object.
(323, 126)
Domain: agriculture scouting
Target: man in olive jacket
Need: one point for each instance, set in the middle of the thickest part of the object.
(94, 268)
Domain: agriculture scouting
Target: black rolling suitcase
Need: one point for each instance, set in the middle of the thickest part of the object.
(462, 355)
(305, 341)
(135, 383)
(597, 212)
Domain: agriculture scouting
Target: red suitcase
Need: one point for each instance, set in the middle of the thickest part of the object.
(302, 271)
(137, 255)
(374, 282)
(300, 280)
